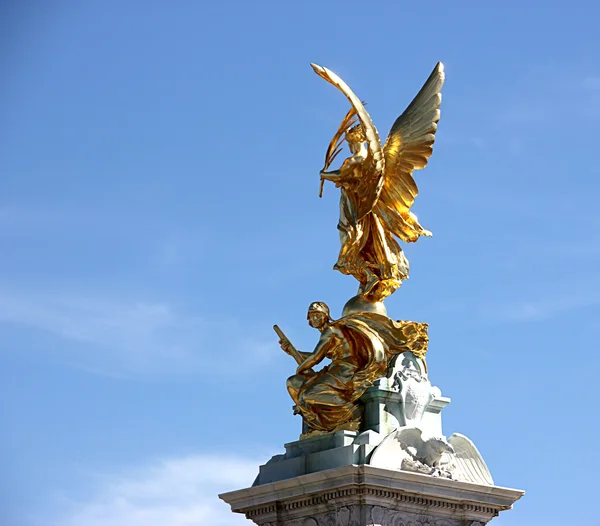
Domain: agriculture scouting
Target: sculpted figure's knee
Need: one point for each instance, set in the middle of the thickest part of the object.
(294, 383)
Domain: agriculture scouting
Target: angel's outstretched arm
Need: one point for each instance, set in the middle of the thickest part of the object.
(334, 176)
(340, 175)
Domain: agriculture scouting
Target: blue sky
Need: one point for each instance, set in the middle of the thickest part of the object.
(159, 212)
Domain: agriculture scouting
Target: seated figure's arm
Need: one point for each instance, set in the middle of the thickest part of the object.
(288, 348)
(319, 353)
(304, 355)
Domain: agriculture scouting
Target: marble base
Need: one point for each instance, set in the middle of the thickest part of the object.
(384, 411)
(362, 495)
(309, 455)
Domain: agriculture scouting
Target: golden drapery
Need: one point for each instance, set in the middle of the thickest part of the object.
(329, 399)
(368, 250)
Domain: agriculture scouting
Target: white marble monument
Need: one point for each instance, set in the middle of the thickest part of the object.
(399, 471)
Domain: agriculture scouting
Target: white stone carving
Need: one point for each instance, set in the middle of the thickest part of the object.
(408, 449)
(409, 378)
(467, 463)
(375, 516)
(403, 398)
(381, 516)
(415, 443)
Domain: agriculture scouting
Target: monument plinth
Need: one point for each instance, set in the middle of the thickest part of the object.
(368, 496)
(372, 451)
(404, 473)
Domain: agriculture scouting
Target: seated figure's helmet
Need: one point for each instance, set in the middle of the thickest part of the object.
(319, 306)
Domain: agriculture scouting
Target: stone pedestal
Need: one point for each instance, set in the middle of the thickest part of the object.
(399, 470)
(385, 410)
(309, 455)
(363, 495)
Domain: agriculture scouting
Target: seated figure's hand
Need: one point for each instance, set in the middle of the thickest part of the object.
(285, 346)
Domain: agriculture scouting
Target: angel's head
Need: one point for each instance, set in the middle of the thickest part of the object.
(355, 136)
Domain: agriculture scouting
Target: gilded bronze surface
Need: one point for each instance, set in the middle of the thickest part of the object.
(377, 186)
(360, 347)
(377, 192)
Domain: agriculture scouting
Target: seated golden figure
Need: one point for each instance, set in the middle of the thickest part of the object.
(360, 347)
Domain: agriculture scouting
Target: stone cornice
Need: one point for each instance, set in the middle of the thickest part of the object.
(368, 485)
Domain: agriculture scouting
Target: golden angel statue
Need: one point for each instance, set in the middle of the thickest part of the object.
(377, 186)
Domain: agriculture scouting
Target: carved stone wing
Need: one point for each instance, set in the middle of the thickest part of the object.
(371, 183)
(469, 464)
(392, 450)
(411, 437)
(407, 148)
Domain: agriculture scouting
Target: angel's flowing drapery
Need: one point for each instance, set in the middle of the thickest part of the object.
(377, 194)
(368, 251)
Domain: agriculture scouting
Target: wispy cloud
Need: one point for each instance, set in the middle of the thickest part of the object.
(135, 335)
(514, 305)
(178, 492)
(122, 337)
(571, 95)
(465, 140)
(543, 308)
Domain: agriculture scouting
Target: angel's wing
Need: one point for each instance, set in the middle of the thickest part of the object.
(407, 148)
(371, 183)
(470, 466)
